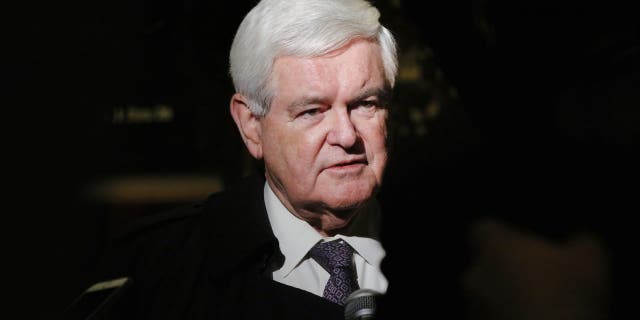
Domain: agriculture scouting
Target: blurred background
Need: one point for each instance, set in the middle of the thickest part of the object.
(524, 113)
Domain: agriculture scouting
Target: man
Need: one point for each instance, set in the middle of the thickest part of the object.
(312, 83)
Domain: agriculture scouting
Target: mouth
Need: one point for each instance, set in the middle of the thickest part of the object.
(349, 164)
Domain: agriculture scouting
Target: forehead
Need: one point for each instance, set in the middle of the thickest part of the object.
(353, 66)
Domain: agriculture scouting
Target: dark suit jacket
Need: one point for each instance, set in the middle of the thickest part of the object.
(211, 260)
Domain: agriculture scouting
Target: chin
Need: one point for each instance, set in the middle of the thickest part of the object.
(349, 200)
(347, 195)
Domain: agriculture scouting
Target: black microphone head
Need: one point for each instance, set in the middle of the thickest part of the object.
(361, 305)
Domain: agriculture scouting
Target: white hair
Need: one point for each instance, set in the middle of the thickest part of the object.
(301, 28)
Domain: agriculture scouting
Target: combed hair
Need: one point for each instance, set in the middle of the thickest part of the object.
(301, 28)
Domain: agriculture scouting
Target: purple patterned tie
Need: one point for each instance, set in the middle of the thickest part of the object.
(336, 257)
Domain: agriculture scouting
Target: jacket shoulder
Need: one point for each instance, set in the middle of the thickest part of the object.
(161, 221)
(156, 240)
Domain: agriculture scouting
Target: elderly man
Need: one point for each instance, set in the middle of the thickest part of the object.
(312, 83)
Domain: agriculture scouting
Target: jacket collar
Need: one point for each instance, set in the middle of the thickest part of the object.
(236, 229)
(238, 238)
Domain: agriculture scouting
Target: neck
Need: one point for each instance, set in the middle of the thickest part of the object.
(325, 220)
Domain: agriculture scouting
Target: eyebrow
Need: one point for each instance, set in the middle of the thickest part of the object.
(383, 95)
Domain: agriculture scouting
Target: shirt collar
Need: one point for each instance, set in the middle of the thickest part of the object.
(296, 237)
(369, 249)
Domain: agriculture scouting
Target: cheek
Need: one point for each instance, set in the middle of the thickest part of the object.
(383, 118)
(296, 149)
(376, 143)
(376, 133)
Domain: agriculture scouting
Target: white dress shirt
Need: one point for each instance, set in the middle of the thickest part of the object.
(297, 237)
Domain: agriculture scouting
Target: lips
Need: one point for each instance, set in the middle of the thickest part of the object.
(349, 162)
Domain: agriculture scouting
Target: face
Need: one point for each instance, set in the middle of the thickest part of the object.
(324, 137)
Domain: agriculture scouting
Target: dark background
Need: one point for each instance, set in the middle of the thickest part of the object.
(527, 112)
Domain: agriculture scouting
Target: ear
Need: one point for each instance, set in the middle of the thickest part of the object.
(248, 124)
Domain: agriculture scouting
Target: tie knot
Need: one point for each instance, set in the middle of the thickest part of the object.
(332, 254)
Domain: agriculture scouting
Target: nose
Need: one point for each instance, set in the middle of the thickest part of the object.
(342, 131)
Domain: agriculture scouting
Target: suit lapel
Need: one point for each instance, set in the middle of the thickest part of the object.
(238, 262)
(236, 227)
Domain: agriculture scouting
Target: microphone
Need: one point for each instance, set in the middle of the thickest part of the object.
(96, 301)
(361, 305)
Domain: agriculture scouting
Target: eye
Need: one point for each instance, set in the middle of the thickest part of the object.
(309, 113)
(366, 104)
(369, 104)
